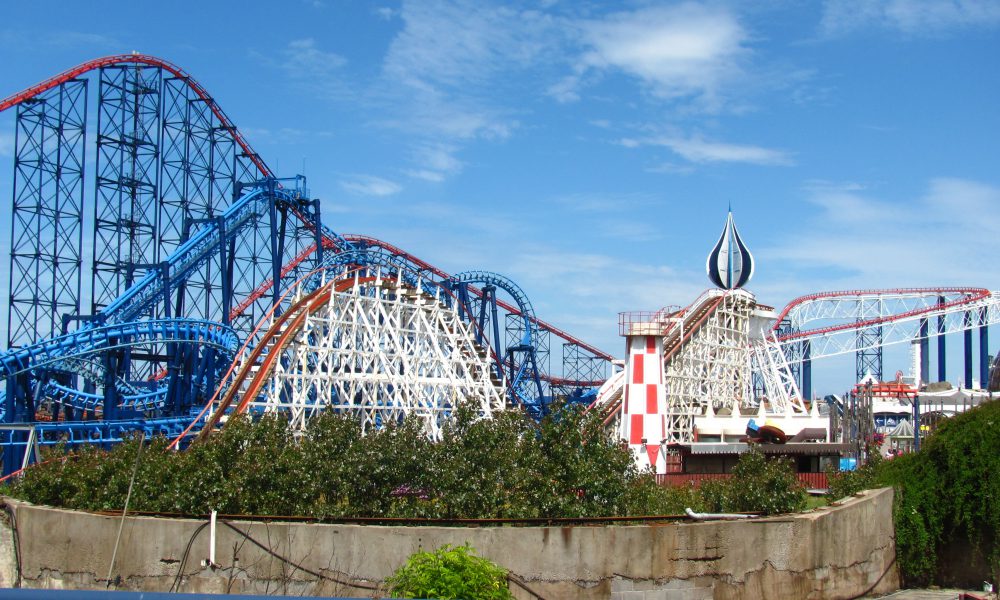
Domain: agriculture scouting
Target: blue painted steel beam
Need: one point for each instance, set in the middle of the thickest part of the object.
(942, 371)
(967, 335)
(984, 352)
(806, 371)
(925, 352)
(47, 212)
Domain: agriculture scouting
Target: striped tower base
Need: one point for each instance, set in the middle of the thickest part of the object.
(644, 420)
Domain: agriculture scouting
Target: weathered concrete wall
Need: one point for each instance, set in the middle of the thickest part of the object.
(834, 552)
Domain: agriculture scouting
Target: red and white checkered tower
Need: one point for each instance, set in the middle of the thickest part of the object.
(643, 420)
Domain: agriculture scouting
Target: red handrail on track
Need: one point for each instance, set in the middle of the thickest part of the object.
(308, 305)
(699, 314)
(971, 295)
(153, 61)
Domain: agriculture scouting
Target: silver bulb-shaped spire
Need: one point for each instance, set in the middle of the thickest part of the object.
(730, 264)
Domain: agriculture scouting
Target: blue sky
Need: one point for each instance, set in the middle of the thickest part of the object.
(590, 150)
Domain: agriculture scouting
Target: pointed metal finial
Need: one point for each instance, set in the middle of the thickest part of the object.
(730, 264)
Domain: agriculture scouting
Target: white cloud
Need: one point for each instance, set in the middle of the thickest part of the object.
(686, 50)
(603, 203)
(425, 174)
(369, 185)
(698, 150)
(443, 71)
(311, 68)
(457, 44)
(909, 16)
(302, 58)
(437, 161)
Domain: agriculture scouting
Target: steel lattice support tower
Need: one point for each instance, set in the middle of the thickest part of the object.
(581, 365)
(47, 214)
(126, 189)
(187, 194)
(984, 345)
(794, 353)
(868, 359)
(515, 333)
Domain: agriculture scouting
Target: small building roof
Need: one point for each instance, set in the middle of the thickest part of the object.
(808, 448)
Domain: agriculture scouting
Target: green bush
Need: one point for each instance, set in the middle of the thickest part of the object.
(758, 484)
(505, 467)
(847, 483)
(646, 497)
(449, 573)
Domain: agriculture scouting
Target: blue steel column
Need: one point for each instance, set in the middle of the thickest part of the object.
(515, 332)
(925, 353)
(793, 354)
(868, 357)
(807, 383)
(942, 376)
(187, 191)
(967, 335)
(984, 345)
(252, 249)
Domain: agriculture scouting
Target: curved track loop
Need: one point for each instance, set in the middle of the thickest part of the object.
(121, 328)
(92, 340)
(120, 319)
(526, 373)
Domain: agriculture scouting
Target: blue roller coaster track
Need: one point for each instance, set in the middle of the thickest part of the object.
(192, 240)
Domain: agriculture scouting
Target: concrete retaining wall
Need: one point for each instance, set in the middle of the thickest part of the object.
(834, 552)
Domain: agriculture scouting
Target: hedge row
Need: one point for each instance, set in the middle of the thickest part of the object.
(506, 467)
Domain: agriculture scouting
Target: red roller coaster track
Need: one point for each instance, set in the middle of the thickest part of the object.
(968, 295)
(152, 61)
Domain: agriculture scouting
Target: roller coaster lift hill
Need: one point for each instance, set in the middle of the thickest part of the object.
(192, 240)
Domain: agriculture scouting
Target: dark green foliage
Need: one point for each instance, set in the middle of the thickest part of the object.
(449, 573)
(758, 484)
(865, 477)
(949, 492)
(505, 467)
(646, 497)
